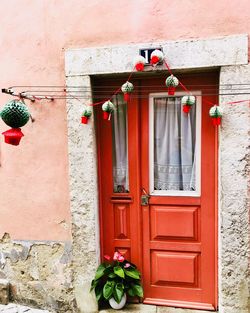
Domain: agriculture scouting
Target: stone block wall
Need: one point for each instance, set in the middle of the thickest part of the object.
(234, 191)
(40, 273)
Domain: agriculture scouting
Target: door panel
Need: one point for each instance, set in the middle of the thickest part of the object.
(173, 238)
(169, 222)
(174, 268)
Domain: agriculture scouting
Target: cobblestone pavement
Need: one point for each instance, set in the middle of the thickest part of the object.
(14, 308)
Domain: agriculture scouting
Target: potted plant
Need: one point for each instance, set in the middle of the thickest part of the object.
(115, 279)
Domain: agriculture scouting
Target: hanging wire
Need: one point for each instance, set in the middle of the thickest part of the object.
(102, 92)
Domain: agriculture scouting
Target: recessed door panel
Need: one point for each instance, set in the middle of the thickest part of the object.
(174, 268)
(173, 222)
(121, 221)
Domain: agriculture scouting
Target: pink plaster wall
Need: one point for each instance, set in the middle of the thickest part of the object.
(34, 194)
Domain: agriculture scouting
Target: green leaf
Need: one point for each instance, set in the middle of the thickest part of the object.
(131, 292)
(94, 283)
(119, 271)
(108, 289)
(133, 273)
(118, 292)
(112, 275)
(98, 293)
(137, 290)
(108, 269)
(100, 271)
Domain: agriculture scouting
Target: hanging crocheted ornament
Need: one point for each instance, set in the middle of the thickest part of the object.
(171, 82)
(86, 114)
(156, 57)
(139, 63)
(107, 108)
(187, 102)
(15, 114)
(216, 113)
(127, 89)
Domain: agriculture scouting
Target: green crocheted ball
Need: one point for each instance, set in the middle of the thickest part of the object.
(15, 114)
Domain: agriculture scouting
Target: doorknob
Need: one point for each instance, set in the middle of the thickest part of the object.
(144, 197)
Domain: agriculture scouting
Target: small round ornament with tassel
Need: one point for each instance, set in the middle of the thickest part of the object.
(86, 114)
(139, 63)
(187, 102)
(15, 114)
(216, 113)
(171, 82)
(107, 108)
(156, 57)
(127, 89)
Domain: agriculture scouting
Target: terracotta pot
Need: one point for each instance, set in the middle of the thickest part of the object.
(126, 96)
(154, 59)
(118, 306)
(139, 67)
(85, 120)
(105, 115)
(13, 136)
(186, 108)
(216, 121)
(171, 90)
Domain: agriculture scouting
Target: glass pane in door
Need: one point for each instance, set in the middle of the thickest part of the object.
(174, 146)
(120, 145)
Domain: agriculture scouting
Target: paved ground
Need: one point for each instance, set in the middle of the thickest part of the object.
(133, 308)
(13, 308)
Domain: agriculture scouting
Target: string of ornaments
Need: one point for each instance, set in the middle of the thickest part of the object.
(171, 82)
(15, 113)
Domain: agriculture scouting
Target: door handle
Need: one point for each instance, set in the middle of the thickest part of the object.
(144, 197)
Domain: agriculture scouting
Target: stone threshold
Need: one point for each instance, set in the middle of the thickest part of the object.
(145, 308)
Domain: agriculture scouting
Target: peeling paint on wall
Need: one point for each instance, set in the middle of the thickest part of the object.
(40, 273)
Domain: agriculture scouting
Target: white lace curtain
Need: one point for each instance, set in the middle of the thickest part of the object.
(174, 145)
(120, 145)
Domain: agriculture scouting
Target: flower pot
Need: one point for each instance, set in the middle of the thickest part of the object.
(171, 90)
(105, 115)
(216, 121)
(139, 67)
(154, 60)
(13, 136)
(186, 108)
(118, 306)
(126, 97)
(85, 120)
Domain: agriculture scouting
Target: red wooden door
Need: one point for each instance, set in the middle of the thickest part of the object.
(172, 238)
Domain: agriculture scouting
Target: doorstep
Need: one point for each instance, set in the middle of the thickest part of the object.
(145, 308)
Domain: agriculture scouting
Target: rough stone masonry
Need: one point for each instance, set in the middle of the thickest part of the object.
(40, 274)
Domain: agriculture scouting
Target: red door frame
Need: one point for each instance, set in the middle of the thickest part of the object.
(134, 243)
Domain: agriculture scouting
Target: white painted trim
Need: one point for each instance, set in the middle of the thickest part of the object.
(180, 193)
(184, 54)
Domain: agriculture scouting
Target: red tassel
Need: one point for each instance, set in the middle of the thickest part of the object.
(186, 108)
(13, 136)
(139, 67)
(216, 121)
(154, 59)
(126, 96)
(105, 115)
(85, 120)
(171, 90)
